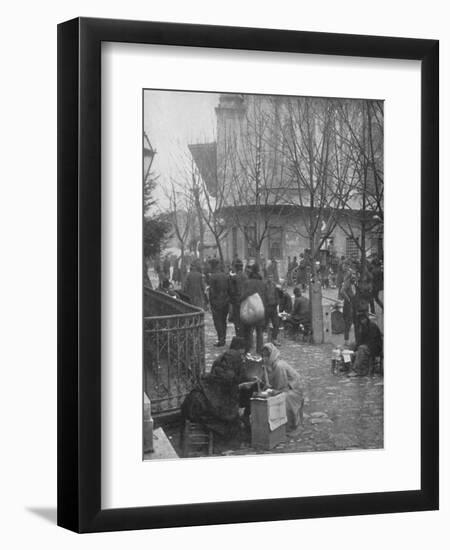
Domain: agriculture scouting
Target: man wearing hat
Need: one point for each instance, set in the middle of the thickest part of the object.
(219, 300)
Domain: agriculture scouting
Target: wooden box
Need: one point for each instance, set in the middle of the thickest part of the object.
(268, 421)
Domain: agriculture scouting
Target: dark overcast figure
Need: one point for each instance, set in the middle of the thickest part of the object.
(219, 300)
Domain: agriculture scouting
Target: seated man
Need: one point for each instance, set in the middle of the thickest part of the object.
(284, 300)
(369, 345)
(301, 313)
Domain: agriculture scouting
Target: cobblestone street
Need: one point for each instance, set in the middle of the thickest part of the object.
(340, 412)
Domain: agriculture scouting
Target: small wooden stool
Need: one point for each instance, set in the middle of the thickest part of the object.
(195, 439)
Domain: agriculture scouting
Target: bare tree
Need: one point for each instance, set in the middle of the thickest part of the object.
(361, 132)
(181, 215)
(311, 152)
(211, 211)
(155, 226)
(255, 198)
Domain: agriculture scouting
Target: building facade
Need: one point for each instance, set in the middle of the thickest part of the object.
(251, 173)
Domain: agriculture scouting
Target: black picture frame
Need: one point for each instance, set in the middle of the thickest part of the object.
(79, 274)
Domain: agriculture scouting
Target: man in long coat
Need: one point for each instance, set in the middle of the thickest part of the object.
(272, 270)
(194, 287)
(219, 300)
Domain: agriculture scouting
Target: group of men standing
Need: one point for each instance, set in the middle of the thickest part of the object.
(224, 289)
(225, 293)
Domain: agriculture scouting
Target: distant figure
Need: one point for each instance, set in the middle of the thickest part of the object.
(176, 273)
(249, 266)
(349, 295)
(236, 261)
(272, 270)
(301, 272)
(263, 267)
(194, 287)
(292, 272)
(365, 292)
(146, 278)
(294, 264)
(166, 266)
(340, 273)
(377, 283)
(219, 300)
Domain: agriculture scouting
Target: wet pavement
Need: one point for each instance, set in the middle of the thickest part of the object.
(340, 412)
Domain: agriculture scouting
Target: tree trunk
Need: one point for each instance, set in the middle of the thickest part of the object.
(219, 248)
(182, 267)
(315, 299)
(201, 228)
(201, 246)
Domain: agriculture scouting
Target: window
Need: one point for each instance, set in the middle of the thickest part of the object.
(234, 241)
(352, 248)
(250, 239)
(275, 243)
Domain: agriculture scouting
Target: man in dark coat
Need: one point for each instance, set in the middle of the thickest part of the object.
(284, 300)
(377, 284)
(301, 311)
(236, 283)
(254, 285)
(219, 300)
(369, 335)
(166, 266)
(301, 272)
(292, 273)
(369, 345)
(272, 270)
(194, 287)
(349, 293)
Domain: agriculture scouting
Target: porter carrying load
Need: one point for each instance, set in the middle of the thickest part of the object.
(252, 310)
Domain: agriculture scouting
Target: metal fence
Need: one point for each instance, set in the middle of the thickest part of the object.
(174, 350)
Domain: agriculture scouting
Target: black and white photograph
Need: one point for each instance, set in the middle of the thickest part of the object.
(263, 239)
(214, 332)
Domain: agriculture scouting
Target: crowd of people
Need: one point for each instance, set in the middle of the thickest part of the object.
(225, 290)
(221, 399)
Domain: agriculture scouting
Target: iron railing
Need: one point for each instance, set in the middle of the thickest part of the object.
(174, 350)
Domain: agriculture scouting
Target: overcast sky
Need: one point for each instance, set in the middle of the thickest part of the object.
(172, 120)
